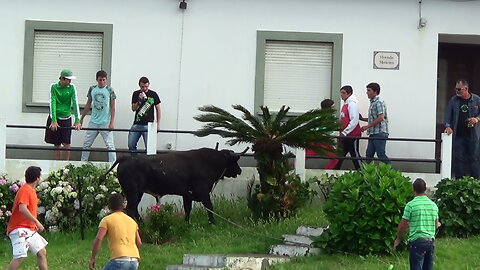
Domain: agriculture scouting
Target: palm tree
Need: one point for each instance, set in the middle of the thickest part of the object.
(268, 134)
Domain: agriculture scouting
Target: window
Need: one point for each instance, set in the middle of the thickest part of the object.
(298, 70)
(52, 46)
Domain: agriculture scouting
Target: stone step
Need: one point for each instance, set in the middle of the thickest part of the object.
(293, 250)
(233, 261)
(192, 267)
(297, 239)
(310, 231)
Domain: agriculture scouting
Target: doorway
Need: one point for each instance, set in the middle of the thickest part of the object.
(458, 58)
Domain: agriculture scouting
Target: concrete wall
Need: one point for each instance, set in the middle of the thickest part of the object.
(206, 55)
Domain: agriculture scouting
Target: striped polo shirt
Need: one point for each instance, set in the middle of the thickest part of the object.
(421, 214)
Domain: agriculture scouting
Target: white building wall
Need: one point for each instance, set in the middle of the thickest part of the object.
(206, 55)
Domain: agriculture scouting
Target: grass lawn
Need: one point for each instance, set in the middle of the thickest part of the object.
(68, 251)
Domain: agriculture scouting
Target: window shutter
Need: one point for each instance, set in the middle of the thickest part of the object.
(297, 74)
(53, 51)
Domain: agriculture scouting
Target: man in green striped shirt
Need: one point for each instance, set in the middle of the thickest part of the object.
(420, 217)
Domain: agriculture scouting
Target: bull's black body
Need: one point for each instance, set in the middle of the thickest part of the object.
(190, 174)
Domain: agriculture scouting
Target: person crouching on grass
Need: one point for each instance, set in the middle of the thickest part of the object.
(23, 227)
(123, 237)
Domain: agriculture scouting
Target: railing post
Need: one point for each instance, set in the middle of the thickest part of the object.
(300, 163)
(3, 142)
(152, 138)
(446, 156)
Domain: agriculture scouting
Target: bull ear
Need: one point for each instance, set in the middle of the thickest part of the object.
(216, 146)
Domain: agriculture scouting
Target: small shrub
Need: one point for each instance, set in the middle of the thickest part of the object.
(458, 202)
(8, 189)
(59, 195)
(364, 209)
(162, 223)
(325, 183)
(282, 201)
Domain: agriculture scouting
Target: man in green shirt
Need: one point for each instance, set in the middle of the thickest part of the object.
(421, 217)
(63, 97)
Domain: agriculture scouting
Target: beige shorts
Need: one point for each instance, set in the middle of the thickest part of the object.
(24, 240)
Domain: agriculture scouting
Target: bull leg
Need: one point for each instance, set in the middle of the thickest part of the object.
(187, 206)
(133, 199)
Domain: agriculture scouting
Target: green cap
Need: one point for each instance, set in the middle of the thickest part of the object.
(67, 73)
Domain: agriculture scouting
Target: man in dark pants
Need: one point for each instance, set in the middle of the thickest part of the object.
(461, 118)
(349, 117)
(421, 216)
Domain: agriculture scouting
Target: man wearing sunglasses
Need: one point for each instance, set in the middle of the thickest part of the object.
(461, 120)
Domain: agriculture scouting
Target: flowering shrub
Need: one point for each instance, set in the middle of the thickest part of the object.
(8, 189)
(161, 224)
(63, 192)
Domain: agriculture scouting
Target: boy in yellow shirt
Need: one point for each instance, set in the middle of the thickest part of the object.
(123, 237)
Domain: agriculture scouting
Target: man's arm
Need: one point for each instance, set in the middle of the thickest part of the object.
(138, 240)
(96, 246)
(159, 115)
(402, 228)
(24, 210)
(375, 122)
(112, 113)
(354, 117)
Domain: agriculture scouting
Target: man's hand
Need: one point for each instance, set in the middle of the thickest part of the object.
(77, 126)
(40, 227)
(364, 128)
(54, 126)
(448, 130)
(397, 242)
(111, 125)
(91, 264)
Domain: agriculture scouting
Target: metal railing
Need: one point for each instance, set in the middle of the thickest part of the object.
(151, 148)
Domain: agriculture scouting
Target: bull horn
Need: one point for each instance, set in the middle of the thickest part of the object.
(216, 146)
(244, 151)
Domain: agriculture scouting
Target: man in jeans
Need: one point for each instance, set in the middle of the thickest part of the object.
(461, 119)
(143, 102)
(101, 99)
(377, 123)
(421, 216)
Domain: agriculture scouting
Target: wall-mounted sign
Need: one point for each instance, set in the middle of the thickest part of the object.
(386, 60)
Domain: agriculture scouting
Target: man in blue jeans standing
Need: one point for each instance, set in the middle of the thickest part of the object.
(421, 217)
(143, 102)
(377, 123)
(461, 118)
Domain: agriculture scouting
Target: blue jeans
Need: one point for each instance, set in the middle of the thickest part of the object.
(121, 265)
(137, 131)
(377, 146)
(466, 149)
(421, 254)
(92, 135)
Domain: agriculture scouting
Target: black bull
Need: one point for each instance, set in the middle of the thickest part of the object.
(190, 174)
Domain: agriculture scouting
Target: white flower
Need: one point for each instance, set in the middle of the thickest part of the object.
(58, 190)
(76, 204)
(60, 198)
(99, 196)
(53, 229)
(103, 212)
(72, 194)
(43, 185)
(54, 209)
(103, 188)
(40, 210)
(90, 188)
(69, 188)
(65, 171)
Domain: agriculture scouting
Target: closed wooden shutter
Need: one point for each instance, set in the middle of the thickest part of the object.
(55, 50)
(297, 74)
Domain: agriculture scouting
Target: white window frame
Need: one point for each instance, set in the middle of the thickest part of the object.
(263, 36)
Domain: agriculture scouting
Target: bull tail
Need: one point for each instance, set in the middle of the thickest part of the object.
(118, 161)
